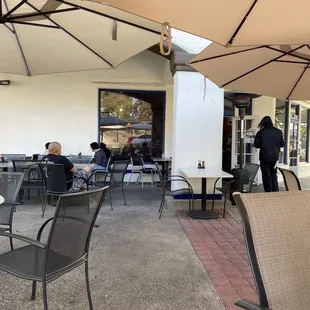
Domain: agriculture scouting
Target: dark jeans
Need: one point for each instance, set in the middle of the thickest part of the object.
(270, 178)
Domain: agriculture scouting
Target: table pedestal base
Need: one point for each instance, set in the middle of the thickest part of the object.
(203, 215)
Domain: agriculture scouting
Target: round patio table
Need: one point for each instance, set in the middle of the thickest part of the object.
(1, 200)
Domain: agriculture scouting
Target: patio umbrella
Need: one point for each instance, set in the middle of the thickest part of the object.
(140, 126)
(112, 121)
(65, 36)
(277, 71)
(233, 23)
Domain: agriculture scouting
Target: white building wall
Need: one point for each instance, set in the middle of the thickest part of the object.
(64, 107)
(198, 124)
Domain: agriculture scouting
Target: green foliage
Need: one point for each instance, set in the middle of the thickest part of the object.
(126, 107)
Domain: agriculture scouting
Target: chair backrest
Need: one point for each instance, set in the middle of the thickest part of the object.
(137, 160)
(118, 171)
(248, 175)
(276, 227)
(29, 168)
(291, 180)
(75, 159)
(54, 178)
(11, 157)
(72, 226)
(10, 183)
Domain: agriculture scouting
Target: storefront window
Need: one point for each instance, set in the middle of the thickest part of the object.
(280, 122)
(303, 134)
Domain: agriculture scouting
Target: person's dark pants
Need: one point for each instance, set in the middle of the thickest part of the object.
(270, 178)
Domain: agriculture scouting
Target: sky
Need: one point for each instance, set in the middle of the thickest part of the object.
(191, 43)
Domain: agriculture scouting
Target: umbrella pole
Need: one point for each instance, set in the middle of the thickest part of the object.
(241, 114)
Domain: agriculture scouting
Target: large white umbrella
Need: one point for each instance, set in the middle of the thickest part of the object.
(229, 22)
(63, 36)
(282, 72)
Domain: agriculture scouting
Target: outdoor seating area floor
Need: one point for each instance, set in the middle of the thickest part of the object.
(220, 246)
(136, 262)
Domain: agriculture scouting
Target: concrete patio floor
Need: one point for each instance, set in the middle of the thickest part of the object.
(136, 262)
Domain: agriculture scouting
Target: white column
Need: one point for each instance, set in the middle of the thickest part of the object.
(198, 124)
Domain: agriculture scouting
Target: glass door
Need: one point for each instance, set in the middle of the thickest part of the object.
(250, 153)
(294, 149)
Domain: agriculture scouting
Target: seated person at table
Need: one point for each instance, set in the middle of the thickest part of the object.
(46, 147)
(100, 159)
(131, 150)
(107, 152)
(73, 175)
(145, 152)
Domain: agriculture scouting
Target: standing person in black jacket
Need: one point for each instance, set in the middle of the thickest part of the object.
(269, 140)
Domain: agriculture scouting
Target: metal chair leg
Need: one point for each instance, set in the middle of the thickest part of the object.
(224, 211)
(193, 202)
(44, 204)
(11, 239)
(124, 194)
(44, 295)
(34, 289)
(129, 178)
(88, 286)
(161, 203)
(110, 198)
(162, 206)
(213, 198)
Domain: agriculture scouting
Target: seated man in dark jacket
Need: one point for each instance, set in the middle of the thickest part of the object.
(269, 140)
(75, 177)
(107, 152)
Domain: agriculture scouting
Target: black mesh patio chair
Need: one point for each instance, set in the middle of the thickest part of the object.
(12, 157)
(242, 184)
(10, 183)
(114, 178)
(136, 168)
(290, 179)
(276, 229)
(33, 179)
(75, 159)
(54, 178)
(67, 244)
(167, 191)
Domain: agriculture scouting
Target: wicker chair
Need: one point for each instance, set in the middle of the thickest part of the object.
(67, 244)
(291, 180)
(276, 227)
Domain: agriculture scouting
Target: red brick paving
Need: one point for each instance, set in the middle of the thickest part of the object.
(220, 246)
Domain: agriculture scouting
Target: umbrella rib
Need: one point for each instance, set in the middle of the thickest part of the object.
(22, 16)
(71, 35)
(280, 51)
(230, 42)
(292, 62)
(14, 9)
(19, 44)
(7, 27)
(224, 55)
(298, 80)
(110, 17)
(33, 24)
(263, 65)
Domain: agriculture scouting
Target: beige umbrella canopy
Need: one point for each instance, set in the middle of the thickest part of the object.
(237, 22)
(277, 71)
(63, 36)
